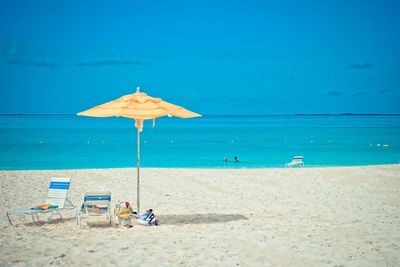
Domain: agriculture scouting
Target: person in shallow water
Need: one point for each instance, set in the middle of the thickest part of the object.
(225, 159)
(235, 159)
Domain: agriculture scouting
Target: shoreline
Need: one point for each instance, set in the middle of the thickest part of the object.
(209, 168)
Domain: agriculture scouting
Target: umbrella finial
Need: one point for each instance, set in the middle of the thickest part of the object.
(138, 89)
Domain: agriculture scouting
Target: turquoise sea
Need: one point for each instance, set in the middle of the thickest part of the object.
(69, 141)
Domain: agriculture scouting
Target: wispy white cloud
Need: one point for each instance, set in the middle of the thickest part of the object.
(112, 63)
(333, 93)
(384, 91)
(360, 93)
(361, 66)
(42, 64)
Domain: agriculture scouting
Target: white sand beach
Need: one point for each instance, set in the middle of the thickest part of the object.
(344, 216)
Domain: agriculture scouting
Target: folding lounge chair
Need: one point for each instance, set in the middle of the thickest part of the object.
(95, 204)
(298, 161)
(57, 197)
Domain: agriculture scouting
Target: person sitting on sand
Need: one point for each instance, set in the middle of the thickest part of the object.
(235, 159)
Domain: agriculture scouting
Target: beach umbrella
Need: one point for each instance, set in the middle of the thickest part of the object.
(138, 106)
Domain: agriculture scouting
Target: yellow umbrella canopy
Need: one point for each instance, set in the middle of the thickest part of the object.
(138, 106)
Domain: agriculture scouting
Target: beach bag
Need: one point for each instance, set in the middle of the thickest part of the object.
(148, 218)
(123, 213)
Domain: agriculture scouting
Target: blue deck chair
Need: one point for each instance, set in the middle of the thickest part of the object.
(95, 205)
(57, 197)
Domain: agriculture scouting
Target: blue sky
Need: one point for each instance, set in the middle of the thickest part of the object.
(214, 57)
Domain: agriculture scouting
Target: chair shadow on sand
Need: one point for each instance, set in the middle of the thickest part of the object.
(205, 218)
(50, 222)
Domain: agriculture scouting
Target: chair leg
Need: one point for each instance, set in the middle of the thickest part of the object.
(78, 220)
(49, 216)
(76, 214)
(8, 217)
(33, 219)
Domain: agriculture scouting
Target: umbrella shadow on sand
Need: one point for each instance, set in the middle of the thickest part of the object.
(184, 219)
(205, 218)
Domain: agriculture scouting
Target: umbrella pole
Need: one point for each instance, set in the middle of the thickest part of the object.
(138, 172)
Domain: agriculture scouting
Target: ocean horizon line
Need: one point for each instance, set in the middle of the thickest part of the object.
(227, 115)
